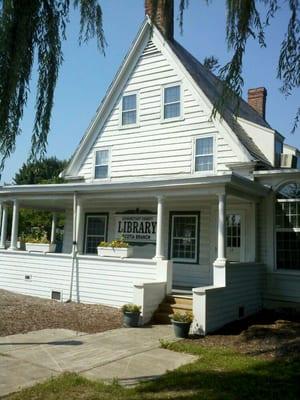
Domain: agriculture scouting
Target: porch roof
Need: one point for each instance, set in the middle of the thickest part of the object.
(230, 183)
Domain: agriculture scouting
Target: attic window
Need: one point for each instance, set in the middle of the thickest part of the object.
(129, 109)
(172, 102)
(101, 164)
(204, 154)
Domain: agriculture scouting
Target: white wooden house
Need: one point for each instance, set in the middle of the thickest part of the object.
(211, 207)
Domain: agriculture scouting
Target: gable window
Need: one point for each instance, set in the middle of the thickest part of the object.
(204, 154)
(184, 237)
(288, 227)
(172, 107)
(101, 164)
(129, 109)
(95, 231)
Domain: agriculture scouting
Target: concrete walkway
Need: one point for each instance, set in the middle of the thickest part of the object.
(130, 355)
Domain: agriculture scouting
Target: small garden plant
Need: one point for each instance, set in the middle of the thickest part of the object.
(186, 317)
(116, 243)
(131, 308)
(36, 237)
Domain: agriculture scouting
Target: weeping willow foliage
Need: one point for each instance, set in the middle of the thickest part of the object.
(36, 28)
(243, 22)
(32, 29)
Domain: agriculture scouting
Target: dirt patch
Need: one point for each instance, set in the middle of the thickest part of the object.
(267, 334)
(21, 314)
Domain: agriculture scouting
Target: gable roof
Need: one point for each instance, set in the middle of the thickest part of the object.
(209, 84)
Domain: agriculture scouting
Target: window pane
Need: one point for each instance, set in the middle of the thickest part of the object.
(95, 233)
(129, 102)
(96, 225)
(172, 110)
(101, 171)
(128, 117)
(172, 94)
(204, 146)
(204, 163)
(233, 223)
(101, 157)
(288, 250)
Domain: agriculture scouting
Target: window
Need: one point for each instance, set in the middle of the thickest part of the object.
(288, 227)
(184, 237)
(101, 164)
(129, 109)
(233, 234)
(204, 154)
(172, 102)
(95, 232)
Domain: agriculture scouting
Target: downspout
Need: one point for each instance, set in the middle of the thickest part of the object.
(74, 245)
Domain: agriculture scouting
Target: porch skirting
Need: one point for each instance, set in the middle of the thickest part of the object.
(92, 279)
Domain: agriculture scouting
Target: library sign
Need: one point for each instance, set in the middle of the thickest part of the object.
(136, 227)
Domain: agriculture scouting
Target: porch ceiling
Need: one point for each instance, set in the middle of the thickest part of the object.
(61, 196)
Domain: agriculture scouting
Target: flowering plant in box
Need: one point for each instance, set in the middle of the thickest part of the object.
(116, 243)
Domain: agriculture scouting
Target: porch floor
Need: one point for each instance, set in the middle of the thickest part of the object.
(182, 291)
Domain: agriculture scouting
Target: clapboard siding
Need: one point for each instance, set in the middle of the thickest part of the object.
(244, 285)
(103, 281)
(155, 147)
(282, 290)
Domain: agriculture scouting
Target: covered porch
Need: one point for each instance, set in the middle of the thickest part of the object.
(186, 247)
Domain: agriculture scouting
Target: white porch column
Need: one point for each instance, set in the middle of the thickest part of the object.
(3, 226)
(0, 215)
(159, 254)
(219, 275)
(53, 228)
(221, 226)
(79, 227)
(14, 226)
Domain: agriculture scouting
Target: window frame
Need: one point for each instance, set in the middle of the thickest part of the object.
(178, 118)
(204, 136)
(137, 121)
(173, 214)
(88, 215)
(108, 165)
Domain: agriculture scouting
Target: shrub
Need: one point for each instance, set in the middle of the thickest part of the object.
(117, 243)
(131, 308)
(36, 237)
(186, 317)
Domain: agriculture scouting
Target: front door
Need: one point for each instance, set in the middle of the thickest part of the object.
(234, 223)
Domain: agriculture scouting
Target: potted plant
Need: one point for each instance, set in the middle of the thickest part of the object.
(131, 315)
(181, 323)
(39, 242)
(115, 248)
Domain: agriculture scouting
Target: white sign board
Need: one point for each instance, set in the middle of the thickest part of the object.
(136, 227)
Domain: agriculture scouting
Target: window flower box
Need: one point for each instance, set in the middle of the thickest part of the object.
(120, 252)
(41, 247)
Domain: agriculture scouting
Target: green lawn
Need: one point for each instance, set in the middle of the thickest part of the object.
(217, 374)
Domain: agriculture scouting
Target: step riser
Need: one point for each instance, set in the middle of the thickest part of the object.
(178, 300)
(171, 305)
(171, 308)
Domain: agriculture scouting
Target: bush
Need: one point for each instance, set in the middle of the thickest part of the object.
(131, 308)
(117, 243)
(186, 317)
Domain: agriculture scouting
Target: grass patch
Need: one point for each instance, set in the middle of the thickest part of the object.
(218, 374)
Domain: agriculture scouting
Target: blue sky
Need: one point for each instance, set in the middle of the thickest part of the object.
(86, 74)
